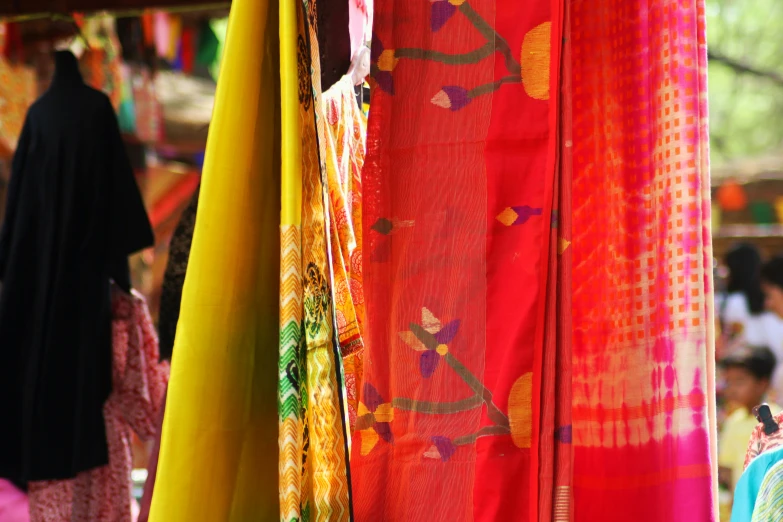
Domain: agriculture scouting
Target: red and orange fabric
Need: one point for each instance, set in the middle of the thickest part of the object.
(458, 192)
(346, 129)
(539, 335)
(345, 134)
(643, 360)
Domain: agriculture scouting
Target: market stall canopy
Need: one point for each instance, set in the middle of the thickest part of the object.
(25, 7)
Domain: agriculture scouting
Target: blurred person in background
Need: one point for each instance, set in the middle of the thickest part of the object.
(741, 308)
(747, 372)
(772, 285)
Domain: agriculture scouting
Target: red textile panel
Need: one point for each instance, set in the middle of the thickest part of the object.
(458, 189)
(643, 357)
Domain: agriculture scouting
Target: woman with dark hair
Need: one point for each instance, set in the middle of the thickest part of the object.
(744, 264)
(741, 312)
(772, 285)
(744, 320)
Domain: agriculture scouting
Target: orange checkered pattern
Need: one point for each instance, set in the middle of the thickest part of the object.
(643, 342)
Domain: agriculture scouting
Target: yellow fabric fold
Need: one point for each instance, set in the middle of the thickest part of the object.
(291, 437)
(219, 452)
(291, 211)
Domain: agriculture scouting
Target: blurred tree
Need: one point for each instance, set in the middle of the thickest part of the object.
(745, 41)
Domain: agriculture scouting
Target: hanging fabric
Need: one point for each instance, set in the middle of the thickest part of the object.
(359, 23)
(17, 90)
(162, 33)
(643, 363)
(221, 411)
(208, 45)
(345, 145)
(313, 428)
(555, 454)
(483, 232)
(126, 114)
(345, 148)
(174, 277)
(17, 93)
(101, 63)
(168, 318)
(458, 195)
(769, 502)
(139, 384)
(149, 112)
(188, 49)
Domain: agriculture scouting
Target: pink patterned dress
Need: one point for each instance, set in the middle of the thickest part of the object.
(761, 442)
(139, 384)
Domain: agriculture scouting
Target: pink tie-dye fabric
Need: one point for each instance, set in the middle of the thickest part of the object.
(643, 352)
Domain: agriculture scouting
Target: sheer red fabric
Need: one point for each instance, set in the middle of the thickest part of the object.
(458, 191)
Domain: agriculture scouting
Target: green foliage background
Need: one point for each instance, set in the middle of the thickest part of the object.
(746, 108)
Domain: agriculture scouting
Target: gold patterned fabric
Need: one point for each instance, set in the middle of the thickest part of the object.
(313, 432)
(346, 128)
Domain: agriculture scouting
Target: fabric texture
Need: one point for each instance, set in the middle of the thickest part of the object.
(458, 191)
(101, 63)
(345, 133)
(769, 503)
(748, 486)
(359, 23)
(139, 384)
(313, 427)
(643, 332)
(74, 214)
(555, 451)
(218, 455)
(294, 486)
(17, 93)
(479, 311)
(174, 278)
(13, 503)
(760, 442)
(152, 469)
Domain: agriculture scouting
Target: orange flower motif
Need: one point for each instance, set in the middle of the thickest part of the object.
(373, 419)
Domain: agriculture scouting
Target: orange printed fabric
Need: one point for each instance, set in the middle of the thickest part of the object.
(458, 194)
(345, 132)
